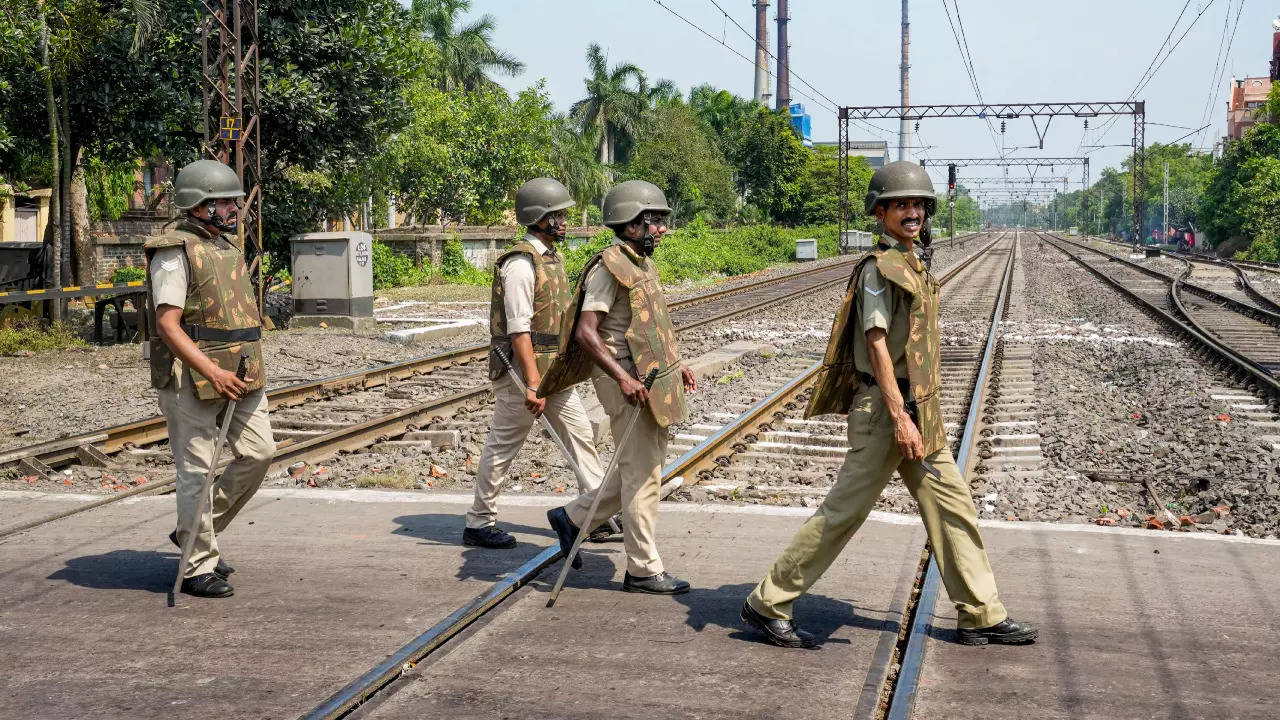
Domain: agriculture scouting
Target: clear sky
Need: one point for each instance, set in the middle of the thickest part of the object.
(1078, 50)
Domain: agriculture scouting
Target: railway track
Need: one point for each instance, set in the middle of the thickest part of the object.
(316, 420)
(976, 290)
(1246, 333)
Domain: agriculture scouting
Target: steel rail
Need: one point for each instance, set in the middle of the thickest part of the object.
(1247, 367)
(154, 429)
(361, 434)
(362, 688)
(1259, 314)
(703, 457)
(912, 661)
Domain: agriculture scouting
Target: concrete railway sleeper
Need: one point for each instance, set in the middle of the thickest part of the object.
(1249, 346)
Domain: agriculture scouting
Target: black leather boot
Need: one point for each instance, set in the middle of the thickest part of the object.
(664, 583)
(489, 536)
(1005, 632)
(209, 585)
(607, 529)
(221, 568)
(782, 633)
(566, 531)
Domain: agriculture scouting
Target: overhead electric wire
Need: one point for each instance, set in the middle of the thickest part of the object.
(1220, 69)
(831, 105)
(731, 49)
(967, 60)
(1151, 71)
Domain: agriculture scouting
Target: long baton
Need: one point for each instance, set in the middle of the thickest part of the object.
(595, 503)
(583, 480)
(206, 487)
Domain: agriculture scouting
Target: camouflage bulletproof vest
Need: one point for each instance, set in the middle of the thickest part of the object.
(650, 337)
(551, 297)
(838, 379)
(220, 301)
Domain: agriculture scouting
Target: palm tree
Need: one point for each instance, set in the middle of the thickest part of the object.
(663, 92)
(574, 159)
(467, 54)
(721, 109)
(614, 104)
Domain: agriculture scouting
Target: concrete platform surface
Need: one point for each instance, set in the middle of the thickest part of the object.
(603, 653)
(325, 589)
(1150, 625)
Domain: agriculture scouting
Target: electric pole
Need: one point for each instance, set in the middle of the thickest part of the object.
(951, 199)
(1164, 229)
(904, 130)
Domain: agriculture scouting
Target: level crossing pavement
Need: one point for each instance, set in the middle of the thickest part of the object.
(330, 582)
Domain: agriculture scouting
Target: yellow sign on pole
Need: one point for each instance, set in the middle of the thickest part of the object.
(229, 128)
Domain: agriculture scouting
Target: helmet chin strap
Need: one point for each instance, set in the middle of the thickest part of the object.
(222, 222)
(649, 242)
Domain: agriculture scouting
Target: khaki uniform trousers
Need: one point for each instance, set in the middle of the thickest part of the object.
(193, 430)
(640, 466)
(946, 507)
(510, 428)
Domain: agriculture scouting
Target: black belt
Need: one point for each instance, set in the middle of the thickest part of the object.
(904, 385)
(541, 338)
(200, 332)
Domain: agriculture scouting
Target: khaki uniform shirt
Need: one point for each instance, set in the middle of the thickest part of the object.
(886, 306)
(518, 282)
(603, 294)
(169, 277)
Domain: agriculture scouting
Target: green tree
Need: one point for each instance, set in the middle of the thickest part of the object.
(463, 154)
(615, 102)
(1241, 177)
(465, 55)
(573, 157)
(675, 151)
(820, 187)
(770, 161)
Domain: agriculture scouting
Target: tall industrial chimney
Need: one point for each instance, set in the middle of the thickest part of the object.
(762, 51)
(904, 130)
(784, 58)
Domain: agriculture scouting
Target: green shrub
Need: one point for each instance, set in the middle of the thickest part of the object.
(128, 273)
(1262, 249)
(455, 268)
(576, 258)
(391, 269)
(32, 336)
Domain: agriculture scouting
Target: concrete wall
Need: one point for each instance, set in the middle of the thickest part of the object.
(118, 243)
(481, 245)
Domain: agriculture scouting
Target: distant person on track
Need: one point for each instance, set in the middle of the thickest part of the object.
(882, 368)
(204, 316)
(530, 297)
(618, 333)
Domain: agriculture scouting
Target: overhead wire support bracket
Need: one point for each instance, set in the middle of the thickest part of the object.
(1136, 108)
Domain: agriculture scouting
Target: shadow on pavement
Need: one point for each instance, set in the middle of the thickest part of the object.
(818, 614)
(122, 570)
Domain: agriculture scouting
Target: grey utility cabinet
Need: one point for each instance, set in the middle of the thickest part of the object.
(333, 279)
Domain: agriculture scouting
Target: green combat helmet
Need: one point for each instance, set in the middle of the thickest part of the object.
(901, 179)
(538, 197)
(205, 180)
(627, 200)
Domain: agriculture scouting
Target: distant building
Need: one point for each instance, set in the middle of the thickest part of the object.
(1246, 96)
(802, 123)
(875, 151)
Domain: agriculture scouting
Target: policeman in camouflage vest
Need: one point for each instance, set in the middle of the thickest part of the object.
(203, 317)
(882, 368)
(531, 295)
(619, 332)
